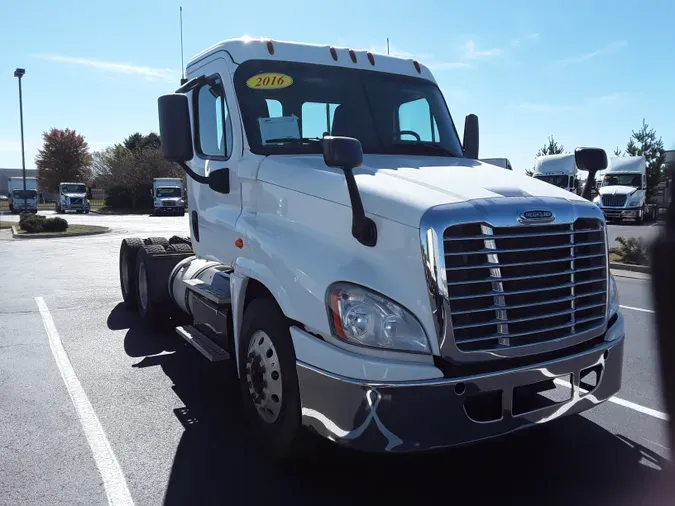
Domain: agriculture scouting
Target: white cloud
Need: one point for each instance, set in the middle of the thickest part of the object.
(120, 68)
(471, 52)
(519, 40)
(610, 48)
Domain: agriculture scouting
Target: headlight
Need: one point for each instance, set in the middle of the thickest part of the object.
(597, 200)
(613, 296)
(634, 202)
(365, 318)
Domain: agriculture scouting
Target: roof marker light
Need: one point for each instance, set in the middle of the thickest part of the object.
(333, 53)
(352, 55)
(371, 58)
(417, 67)
(270, 47)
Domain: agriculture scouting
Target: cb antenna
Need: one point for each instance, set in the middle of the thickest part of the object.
(182, 65)
(387, 46)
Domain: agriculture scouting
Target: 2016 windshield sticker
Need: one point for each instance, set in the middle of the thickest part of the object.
(269, 81)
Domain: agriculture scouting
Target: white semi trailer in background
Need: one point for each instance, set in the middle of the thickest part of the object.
(558, 170)
(167, 195)
(369, 278)
(20, 200)
(623, 193)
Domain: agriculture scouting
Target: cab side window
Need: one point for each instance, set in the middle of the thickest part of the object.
(213, 124)
(416, 123)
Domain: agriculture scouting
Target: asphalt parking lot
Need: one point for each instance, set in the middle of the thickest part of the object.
(173, 425)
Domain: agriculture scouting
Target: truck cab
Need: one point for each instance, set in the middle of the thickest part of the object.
(167, 196)
(623, 192)
(20, 200)
(72, 197)
(371, 279)
(558, 170)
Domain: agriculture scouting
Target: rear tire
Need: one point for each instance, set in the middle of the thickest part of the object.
(127, 266)
(157, 241)
(180, 248)
(268, 380)
(152, 296)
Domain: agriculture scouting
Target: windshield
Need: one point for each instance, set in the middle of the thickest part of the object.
(288, 106)
(73, 188)
(634, 180)
(168, 192)
(557, 180)
(25, 194)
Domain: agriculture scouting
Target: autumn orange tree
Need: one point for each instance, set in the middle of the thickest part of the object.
(64, 157)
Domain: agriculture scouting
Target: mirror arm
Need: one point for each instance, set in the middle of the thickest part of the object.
(192, 173)
(590, 182)
(363, 228)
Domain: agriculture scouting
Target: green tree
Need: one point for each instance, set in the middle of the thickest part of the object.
(617, 151)
(64, 156)
(137, 142)
(645, 142)
(551, 148)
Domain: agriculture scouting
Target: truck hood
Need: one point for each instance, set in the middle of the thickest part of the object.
(75, 195)
(616, 190)
(403, 188)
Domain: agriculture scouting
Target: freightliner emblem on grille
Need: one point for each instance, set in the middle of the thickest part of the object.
(536, 216)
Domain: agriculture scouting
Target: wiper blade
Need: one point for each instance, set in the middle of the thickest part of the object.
(427, 146)
(294, 140)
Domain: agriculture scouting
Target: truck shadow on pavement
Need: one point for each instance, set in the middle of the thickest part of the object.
(571, 461)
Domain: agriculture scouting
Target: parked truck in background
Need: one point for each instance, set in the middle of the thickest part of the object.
(20, 200)
(504, 163)
(167, 195)
(623, 193)
(370, 278)
(558, 170)
(72, 197)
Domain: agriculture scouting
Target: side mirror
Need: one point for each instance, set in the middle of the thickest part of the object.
(471, 135)
(592, 160)
(346, 153)
(342, 152)
(174, 127)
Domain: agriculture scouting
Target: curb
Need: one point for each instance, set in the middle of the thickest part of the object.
(45, 235)
(645, 269)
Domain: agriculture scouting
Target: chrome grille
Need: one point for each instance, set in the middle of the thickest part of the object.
(169, 203)
(76, 201)
(523, 285)
(614, 200)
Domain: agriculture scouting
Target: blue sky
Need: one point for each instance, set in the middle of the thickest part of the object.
(584, 71)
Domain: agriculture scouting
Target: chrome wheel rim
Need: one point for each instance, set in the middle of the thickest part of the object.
(263, 376)
(142, 287)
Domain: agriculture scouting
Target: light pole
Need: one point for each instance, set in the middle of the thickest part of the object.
(18, 73)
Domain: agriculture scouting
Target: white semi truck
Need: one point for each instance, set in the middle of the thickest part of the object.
(370, 278)
(20, 200)
(72, 197)
(558, 170)
(167, 195)
(623, 193)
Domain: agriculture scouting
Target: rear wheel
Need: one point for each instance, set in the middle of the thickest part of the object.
(127, 265)
(180, 248)
(268, 379)
(151, 294)
(157, 241)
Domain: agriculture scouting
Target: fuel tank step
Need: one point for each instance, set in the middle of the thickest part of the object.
(202, 289)
(203, 343)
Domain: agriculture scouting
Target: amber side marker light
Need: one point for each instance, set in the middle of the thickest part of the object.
(239, 243)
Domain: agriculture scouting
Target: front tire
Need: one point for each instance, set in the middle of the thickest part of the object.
(268, 379)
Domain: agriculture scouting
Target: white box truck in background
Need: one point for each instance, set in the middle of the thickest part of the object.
(623, 193)
(167, 195)
(504, 163)
(558, 170)
(72, 197)
(21, 201)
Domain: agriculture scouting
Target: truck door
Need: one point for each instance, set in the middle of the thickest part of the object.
(217, 146)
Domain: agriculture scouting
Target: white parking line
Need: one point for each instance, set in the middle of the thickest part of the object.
(114, 483)
(622, 402)
(637, 309)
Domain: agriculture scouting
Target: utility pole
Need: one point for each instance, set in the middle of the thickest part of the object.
(18, 73)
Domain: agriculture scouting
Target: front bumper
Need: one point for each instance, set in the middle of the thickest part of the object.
(424, 415)
(170, 209)
(623, 213)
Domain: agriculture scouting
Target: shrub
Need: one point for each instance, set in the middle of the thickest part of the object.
(25, 216)
(55, 225)
(631, 250)
(32, 224)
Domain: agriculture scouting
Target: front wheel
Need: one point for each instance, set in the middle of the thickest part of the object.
(268, 379)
